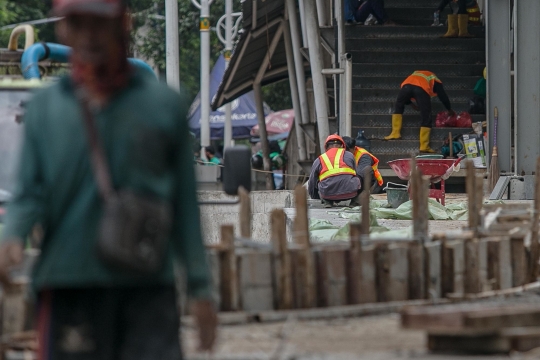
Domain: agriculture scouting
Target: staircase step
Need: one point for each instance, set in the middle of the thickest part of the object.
(400, 32)
(365, 121)
(422, 58)
(406, 68)
(410, 133)
(396, 147)
(387, 107)
(393, 83)
(391, 94)
(405, 15)
(473, 44)
(411, 3)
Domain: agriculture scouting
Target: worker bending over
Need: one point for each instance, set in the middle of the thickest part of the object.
(421, 86)
(365, 163)
(333, 175)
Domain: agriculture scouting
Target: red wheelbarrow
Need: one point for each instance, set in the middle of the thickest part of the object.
(438, 170)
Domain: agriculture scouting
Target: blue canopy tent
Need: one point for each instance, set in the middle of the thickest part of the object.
(244, 113)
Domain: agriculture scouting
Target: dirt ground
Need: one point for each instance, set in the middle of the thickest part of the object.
(364, 338)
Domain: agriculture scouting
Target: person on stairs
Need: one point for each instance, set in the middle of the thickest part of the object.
(333, 175)
(365, 163)
(457, 23)
(375, 8)
(419, 87)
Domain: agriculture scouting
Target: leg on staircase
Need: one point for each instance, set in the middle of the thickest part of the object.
(452, 27)
(425, 133)
(463, 25)
(403, 98)
(424, 103)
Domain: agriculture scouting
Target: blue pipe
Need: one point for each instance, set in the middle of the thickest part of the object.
(60, 53)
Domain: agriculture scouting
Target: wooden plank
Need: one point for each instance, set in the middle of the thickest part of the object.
(354, 264)
(519, 262)
(471, 278)
(255, 280)
(417, 281)
(433, 267)
(522, 338)
(368, 283)
(244, 213)
(382, 265)
(282, 261)
(398, 287)
(229, 274)
(332, 277)
(484, 344)
(447, 269)
(484, 284)
(505, 262)
(511, 316)
(305, 267)
(493, 264)
(420, 193)
(213, 257)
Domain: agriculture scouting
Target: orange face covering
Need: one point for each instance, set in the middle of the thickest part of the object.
(102, 80)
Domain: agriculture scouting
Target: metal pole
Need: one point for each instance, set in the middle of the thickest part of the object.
(319, 82)
(347, 130)
(205, 74)
(339, 10)
(303, 23)
(171, 47)
(321, 11)
(298, 60)
(227, 136)
(302, 155)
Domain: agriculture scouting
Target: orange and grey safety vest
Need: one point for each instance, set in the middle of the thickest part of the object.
(332, 164)
(423, 79)
(358, 152)
(474, 14)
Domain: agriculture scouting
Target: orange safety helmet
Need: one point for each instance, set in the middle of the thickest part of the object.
(334, 137)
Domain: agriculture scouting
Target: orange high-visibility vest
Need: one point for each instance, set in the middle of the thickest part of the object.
(358, 152)
(332, 164)
(424, 79)
(474, 14)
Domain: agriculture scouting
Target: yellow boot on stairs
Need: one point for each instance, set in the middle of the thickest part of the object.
(452, 27)
(397, 120)
(425, 133)
(463, 25)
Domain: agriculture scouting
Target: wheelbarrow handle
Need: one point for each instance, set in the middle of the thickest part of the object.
(458, 160)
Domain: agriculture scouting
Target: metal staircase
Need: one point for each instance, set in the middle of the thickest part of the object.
(383, 56)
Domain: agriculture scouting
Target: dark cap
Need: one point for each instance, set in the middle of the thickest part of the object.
(106, 8)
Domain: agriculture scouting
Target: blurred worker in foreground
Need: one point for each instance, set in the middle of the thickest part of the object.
(333, 175)
(365, 163)
(420, 86)
(87, 308)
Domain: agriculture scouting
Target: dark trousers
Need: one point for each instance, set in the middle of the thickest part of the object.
(130, 323)
(349, 8)
(462, 6)
(375, 7)
(423, 100)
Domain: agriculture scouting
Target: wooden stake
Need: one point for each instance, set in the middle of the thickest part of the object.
(229, 273)
(493, 264)
(471, 281)
(382, 263)
(474, 185)
(282, 261)
(365, 203)
(354, 268)
(416, 271)
(304, 267)
(420, 203)
(519, 262)
(451, 144)
(245, 213)
(535, 247)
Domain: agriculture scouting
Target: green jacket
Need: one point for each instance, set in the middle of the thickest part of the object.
(144, 131)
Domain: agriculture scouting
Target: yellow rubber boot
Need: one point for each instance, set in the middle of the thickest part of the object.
(397, 120)
(452, 27)
(425, 133)
(463, 25)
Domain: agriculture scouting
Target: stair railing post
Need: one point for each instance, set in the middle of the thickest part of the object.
(347, 129)
(315, 60)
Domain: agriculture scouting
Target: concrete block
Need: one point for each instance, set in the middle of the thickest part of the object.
(433, 269)
(255, 273)
(211, 226)
(260, 227)
(266, 201)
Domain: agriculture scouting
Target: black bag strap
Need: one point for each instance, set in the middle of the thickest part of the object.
(98, 158)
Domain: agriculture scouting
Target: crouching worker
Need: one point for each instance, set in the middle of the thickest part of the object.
(365, 163)
(333, 175)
